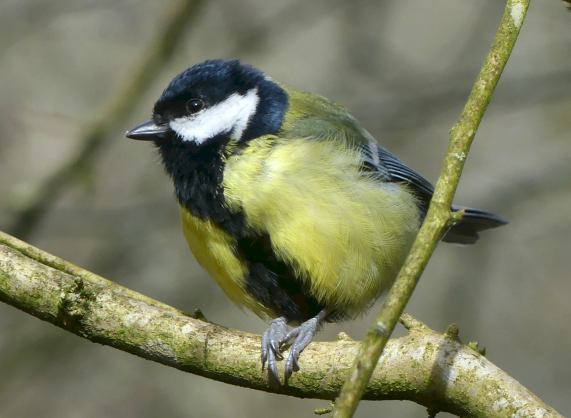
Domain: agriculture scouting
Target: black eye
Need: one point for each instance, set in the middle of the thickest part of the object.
(194, 105)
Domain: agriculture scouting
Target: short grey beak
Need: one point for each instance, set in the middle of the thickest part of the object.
(148, 131)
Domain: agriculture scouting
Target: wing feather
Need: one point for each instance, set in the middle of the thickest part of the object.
(313, 116)
(392, 169)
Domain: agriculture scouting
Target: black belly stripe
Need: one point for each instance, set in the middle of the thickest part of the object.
(274, 283)
(197, 173)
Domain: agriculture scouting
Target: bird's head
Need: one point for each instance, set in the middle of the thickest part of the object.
(212, 100)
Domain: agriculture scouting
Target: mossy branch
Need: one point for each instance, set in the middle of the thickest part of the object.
(439, 216)
(434, 370)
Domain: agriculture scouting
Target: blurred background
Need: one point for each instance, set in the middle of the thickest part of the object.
(404, 68)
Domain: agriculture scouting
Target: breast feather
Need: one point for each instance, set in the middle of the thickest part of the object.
(344, 232)
(214, 251)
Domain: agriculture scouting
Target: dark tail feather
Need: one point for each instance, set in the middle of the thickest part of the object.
(474, 221)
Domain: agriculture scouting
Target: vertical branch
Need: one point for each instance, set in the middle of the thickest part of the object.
(439, 216)
(139, 79)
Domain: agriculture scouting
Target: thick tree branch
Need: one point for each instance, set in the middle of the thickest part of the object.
(431, 369)
(439, 216)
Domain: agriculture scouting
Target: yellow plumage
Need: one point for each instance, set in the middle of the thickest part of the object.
(288, 203)
(344, 232)
(213, 249)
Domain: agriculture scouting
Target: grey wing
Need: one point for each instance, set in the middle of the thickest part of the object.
(390, 168)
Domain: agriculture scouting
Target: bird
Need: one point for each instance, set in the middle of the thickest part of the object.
(292, 207)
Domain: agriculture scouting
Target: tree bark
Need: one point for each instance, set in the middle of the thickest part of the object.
(431, 369)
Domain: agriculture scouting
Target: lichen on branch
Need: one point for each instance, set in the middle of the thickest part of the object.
(426, 367)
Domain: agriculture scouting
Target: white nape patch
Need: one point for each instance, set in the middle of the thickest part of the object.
(232, 115)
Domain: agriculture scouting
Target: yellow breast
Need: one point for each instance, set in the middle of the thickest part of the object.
(213, 249)
(345, 233)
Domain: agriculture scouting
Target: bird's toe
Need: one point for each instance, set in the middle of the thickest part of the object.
(303, 336)
(271, 348)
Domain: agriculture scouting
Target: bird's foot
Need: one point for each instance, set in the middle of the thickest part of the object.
(272, 340)
(278, 336)
(299, 338)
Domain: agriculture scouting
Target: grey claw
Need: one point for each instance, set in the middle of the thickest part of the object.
(264, 350)
(303, 336)
(292, 364)
(295, 364)
(271, 352)
(278, 336)
(275, 346)
(273, 374)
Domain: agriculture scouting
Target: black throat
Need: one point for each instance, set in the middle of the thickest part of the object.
(197, 173)
(197, 170)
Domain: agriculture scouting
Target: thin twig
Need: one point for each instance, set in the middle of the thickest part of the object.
(180, 15)
(417, 367)
(439, 214)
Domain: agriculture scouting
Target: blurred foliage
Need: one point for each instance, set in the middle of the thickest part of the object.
(404, 68)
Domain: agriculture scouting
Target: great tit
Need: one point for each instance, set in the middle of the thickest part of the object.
(286, 201)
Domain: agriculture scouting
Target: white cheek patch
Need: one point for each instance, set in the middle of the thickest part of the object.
(230, 116)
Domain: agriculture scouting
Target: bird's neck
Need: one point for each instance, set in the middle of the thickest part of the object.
(197, 174)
